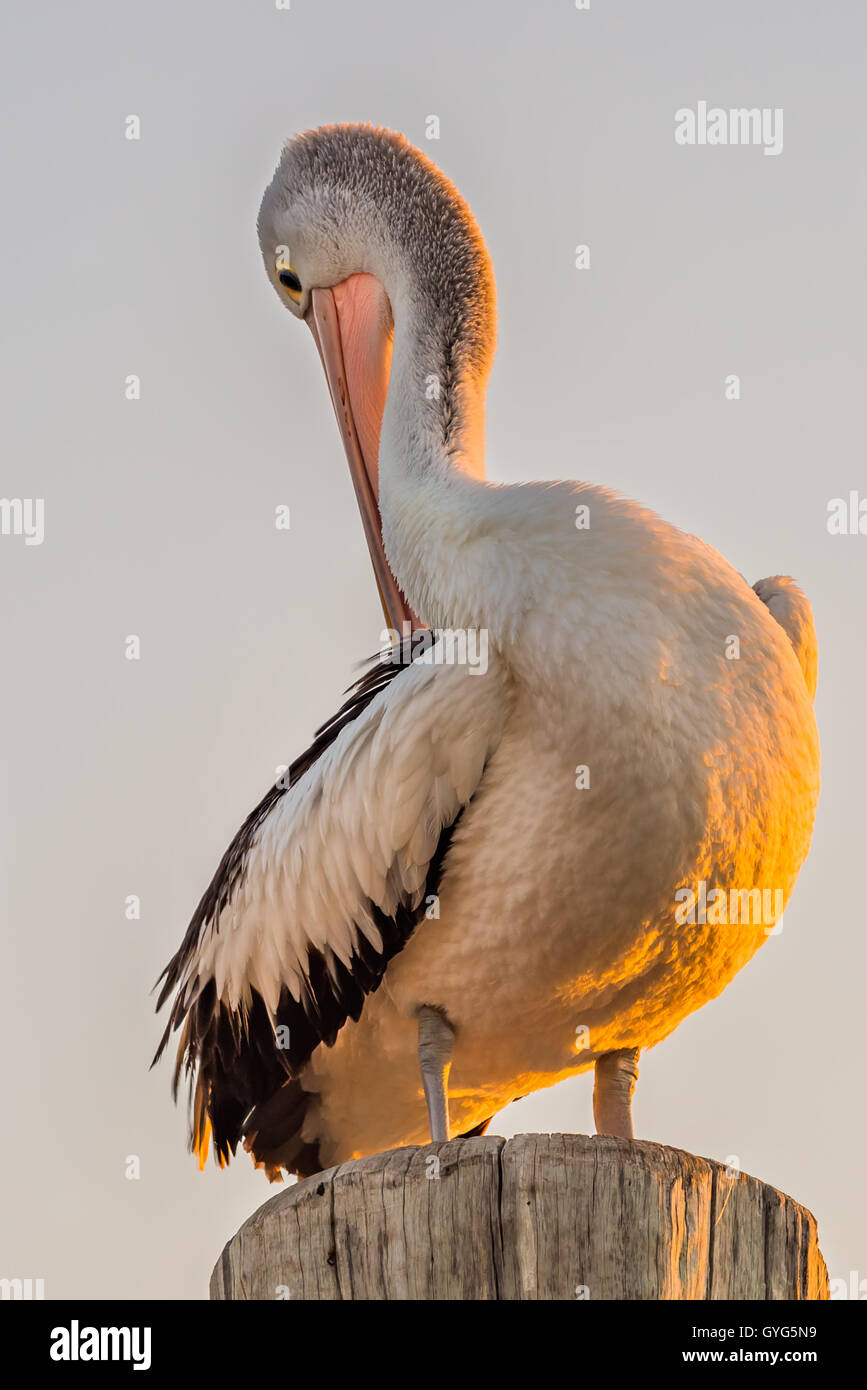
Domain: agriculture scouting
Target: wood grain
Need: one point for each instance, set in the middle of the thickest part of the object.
(540, 1216)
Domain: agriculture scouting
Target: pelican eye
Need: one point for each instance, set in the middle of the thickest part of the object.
(290, 281)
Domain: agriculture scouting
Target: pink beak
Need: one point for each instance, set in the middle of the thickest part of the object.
(356, 373)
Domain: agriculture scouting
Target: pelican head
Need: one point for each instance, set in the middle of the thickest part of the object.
(369, 243)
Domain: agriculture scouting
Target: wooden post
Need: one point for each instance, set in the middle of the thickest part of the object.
(540, 1216)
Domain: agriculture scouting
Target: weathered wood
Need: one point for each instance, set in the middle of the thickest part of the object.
(540, 1216)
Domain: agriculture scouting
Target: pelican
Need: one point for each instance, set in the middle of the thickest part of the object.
(472, 884)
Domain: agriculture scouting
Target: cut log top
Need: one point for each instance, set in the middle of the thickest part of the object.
(540, 1216)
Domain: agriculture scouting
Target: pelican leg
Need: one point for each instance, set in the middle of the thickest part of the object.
(435, 1042)
(616, 1075)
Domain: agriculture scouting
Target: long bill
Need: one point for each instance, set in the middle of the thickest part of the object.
(349, 336)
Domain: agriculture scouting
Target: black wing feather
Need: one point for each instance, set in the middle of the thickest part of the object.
(232, 1058)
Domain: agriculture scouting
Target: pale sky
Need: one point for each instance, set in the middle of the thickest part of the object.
(126, 777)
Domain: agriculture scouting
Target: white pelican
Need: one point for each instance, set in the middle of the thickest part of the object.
(471, 885)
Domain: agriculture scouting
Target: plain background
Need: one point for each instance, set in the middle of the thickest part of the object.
(121, 777)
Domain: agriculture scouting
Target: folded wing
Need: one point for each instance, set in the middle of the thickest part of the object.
(324, 884)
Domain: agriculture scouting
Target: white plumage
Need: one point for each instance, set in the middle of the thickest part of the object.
(360, 829)
(499, 851)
